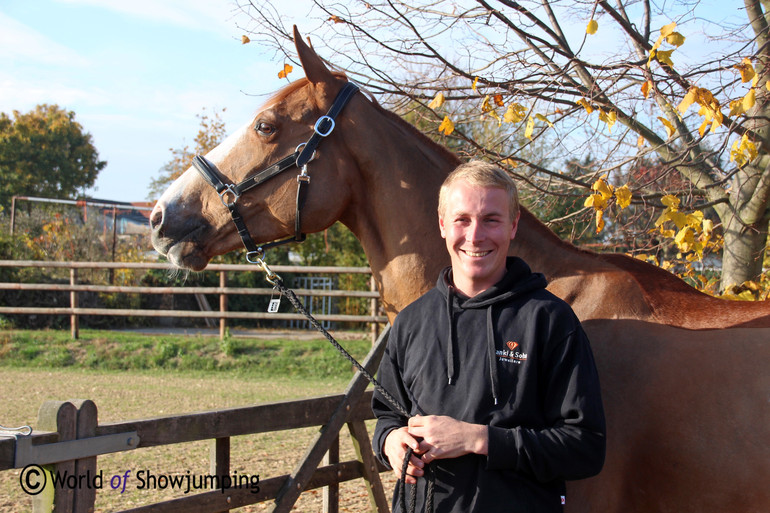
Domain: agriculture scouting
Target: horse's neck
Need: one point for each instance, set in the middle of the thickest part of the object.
(394, 214)
(545, 252)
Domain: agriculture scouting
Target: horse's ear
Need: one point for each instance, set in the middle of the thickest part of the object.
(314, 68)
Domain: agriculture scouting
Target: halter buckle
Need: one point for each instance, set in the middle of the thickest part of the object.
(317, 126)
(229, 189)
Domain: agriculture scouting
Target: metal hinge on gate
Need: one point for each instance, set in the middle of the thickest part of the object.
(56, 452)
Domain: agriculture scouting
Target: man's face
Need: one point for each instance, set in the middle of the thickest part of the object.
(478, 229)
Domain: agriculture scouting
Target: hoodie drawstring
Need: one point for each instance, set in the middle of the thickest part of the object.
(491, 349)
(491, 356)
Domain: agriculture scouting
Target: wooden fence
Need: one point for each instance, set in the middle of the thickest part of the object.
(73, 439)
(223, 291)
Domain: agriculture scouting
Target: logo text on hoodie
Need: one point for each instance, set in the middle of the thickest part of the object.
(511, 354)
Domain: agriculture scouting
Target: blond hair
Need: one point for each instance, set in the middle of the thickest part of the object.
(480, 174)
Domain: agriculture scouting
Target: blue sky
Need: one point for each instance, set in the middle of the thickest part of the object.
(136, 73)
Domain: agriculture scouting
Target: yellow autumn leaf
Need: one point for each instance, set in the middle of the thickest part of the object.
(583, 103)
(707, 228)
(245, 40)
(488, 108)
(602, 188)
(640, 141)
(498, 98)
(446, 127)
(475, 83)
(511, 162)
(285, 71)
(592, 27)
(675, 39)
(664, 56)
(608, 118)
(743, 151)
(694, 219)
(646, 88)
(746, 70)
(599, 220)
(670, 130)
(437, 101)
(515, 113)
(688, 100)
(623, 196)
(544, 119)
(678, 218)
(530, 128)
(749, 100)
(670, 201)
(668, 29)
(767, 85)
(736, 107)
(595, 201)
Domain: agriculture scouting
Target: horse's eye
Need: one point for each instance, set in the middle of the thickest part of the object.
(264, 128)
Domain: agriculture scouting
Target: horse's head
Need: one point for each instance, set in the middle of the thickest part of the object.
(191, 222)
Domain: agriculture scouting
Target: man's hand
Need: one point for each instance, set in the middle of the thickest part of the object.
(395, 449)
(444, 437)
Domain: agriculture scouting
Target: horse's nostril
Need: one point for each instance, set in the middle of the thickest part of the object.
(156, 218)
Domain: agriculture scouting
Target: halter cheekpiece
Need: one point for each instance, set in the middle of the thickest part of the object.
(305, 152)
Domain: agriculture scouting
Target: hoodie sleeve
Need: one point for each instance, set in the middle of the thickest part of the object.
(573, 444)
(389, 376)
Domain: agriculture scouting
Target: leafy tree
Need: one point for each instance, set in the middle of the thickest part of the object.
(45, 152)
(211, 132)
(622, 81)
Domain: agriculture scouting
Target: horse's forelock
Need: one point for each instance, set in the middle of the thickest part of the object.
(292, 87)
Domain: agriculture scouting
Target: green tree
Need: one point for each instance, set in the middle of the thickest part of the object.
(211, 132)
(45, 152)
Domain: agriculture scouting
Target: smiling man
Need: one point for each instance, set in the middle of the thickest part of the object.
(496, 372)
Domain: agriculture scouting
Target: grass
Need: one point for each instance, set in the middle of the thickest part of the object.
(132, 376)
(121, 351)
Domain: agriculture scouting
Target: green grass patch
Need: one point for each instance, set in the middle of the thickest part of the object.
(121, 351)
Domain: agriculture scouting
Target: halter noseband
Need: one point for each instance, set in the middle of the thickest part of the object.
(304, 153)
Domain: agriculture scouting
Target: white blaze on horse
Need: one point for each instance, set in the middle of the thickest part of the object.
(684, 375)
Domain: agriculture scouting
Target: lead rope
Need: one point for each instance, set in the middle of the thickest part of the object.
(278, 285)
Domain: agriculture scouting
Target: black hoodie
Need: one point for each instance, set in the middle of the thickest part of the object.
(514, 358)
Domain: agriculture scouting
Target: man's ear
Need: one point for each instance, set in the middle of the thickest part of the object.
(441, 227)
(515, 227)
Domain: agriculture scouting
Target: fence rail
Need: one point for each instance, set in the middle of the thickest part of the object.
(73, 439)
(223, 291)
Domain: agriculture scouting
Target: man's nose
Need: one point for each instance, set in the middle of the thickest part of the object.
(476, 231)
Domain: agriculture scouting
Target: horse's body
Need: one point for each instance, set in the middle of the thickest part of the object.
(688, 411)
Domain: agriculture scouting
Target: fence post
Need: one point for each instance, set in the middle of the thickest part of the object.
(85, 496)
(331, 497)
(219, 459)
(59, 416)
(222, 305)
(74, 321)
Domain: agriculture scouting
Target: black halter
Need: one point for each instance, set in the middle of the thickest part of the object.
(304, 153)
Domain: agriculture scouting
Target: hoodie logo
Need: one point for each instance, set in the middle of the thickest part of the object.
(511, 355)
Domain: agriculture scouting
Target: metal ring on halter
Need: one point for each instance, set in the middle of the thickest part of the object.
(257, 256)
(299, 150)
(318, 126)
(230, 188)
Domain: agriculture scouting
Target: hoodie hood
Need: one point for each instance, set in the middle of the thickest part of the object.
(519, 280)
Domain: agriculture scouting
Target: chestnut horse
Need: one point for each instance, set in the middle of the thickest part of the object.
(688, 411)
